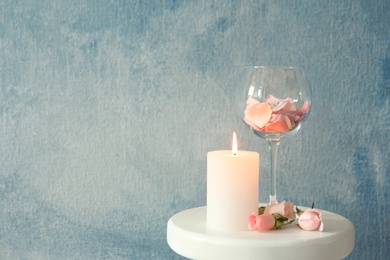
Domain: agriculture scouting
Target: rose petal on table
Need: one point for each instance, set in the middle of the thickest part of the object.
(259, 114)
(321, 228)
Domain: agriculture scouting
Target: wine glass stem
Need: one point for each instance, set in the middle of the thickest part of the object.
(273, 146)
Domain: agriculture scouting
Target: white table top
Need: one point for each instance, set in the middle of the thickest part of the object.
(189, 236)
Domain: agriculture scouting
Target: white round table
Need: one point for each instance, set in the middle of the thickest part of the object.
(189, 236)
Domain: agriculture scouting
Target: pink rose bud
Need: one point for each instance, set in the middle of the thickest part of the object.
(261, 222)
(311, 220)
(285, 209)
(266, 222)
(252, 221)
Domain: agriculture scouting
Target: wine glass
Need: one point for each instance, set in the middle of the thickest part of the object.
(275, 102)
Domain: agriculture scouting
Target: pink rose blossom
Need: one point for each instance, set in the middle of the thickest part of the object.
(311, 220)
(261, 222)
(252, 221)
(274, 115)
(285, 209)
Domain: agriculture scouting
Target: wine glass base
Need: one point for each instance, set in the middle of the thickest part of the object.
(272, 199)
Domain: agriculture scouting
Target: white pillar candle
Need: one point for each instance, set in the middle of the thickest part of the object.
(232, 189)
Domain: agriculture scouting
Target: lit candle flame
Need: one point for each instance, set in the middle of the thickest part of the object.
(234, 146)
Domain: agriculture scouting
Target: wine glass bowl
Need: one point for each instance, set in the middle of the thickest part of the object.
(277, 103)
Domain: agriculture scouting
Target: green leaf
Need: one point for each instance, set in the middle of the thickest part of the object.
(261, 210)
(280, 221)
(278, 224)
(279, 217)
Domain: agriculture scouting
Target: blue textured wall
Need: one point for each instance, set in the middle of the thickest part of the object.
(108, 108)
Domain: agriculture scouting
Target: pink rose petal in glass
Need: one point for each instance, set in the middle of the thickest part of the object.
(295, 116)
(259, 114)
(274, 118)
(276, 103)
(273, 101)
(305, 108)
(252, 125)
(277, 127)
(251, 101)
(285, 105)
